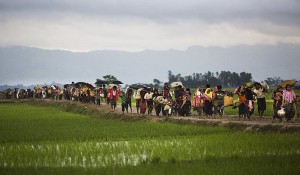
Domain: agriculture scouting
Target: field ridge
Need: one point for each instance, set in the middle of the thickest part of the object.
(232, 122)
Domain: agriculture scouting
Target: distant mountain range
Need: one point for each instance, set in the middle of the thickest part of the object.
(26, 65)
(21, 86)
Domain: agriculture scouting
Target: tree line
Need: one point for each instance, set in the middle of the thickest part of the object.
(224, 78)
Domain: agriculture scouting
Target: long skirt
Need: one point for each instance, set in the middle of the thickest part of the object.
(261, 103)
(289, 110)
(208, 105)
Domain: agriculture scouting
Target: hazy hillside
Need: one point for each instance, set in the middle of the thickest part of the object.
(32, 65)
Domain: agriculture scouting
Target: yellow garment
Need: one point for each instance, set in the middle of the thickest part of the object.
(228, 101)
(209, 93)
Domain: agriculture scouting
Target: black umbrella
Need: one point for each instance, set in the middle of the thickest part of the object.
(137, 86)
(98, 82)
(116, 82)
(68, 85)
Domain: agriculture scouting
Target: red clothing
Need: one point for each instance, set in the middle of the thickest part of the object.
(111, 94)
(143, 106)
(242, 99)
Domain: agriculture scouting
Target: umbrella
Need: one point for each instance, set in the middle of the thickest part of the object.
(68, 85)
(98, 82)
(141, 89)
(116, 82)
(265, 85)
(176, 84)
(290, 82)
(137, 86)
(84, 84)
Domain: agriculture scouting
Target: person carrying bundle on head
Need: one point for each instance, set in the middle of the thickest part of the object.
(288, 102)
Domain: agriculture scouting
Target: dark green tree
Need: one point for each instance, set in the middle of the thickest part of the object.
(109, 78)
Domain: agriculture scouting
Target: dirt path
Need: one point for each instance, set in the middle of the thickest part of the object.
(255, 121)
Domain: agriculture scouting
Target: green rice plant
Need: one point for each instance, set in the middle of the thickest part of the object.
(46, 140)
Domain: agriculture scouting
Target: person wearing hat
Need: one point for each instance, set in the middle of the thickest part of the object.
(260, 93)
(277, 97)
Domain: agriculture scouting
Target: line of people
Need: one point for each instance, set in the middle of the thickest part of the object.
(210, 101)
(175, 100)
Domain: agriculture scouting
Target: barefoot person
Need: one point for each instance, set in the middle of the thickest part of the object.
(208, 105)
(242, 104)
(288, 101)
(149, 100)
(249, 102)
(113, 97)
(277, 97)
(124, 104)
(220, 94)
(261, 99)
(128, 95)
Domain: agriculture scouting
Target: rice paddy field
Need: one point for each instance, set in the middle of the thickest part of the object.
(54, 140)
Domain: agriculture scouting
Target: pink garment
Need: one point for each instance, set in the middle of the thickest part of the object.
(250, 105)
(288, 96)
(236, 90)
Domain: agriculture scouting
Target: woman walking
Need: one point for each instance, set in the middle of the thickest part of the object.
(208, 101)
(288, 101)
(249, 102)
(149, 100)
(128, 95)
(260, 93)
(277, 97)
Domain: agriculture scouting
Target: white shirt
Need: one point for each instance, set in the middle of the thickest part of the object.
(148, 96)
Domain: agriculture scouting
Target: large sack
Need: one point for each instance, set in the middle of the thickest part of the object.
(290, 82)
(228, 101)
(249, 84)
(159, 99)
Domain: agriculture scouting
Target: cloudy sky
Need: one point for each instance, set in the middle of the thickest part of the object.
(135, 25)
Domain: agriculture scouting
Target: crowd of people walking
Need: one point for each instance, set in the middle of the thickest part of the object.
(173, 99)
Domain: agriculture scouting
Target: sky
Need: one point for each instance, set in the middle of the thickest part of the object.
(136, 25)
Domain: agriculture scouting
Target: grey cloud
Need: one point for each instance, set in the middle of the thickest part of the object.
(283, 12)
